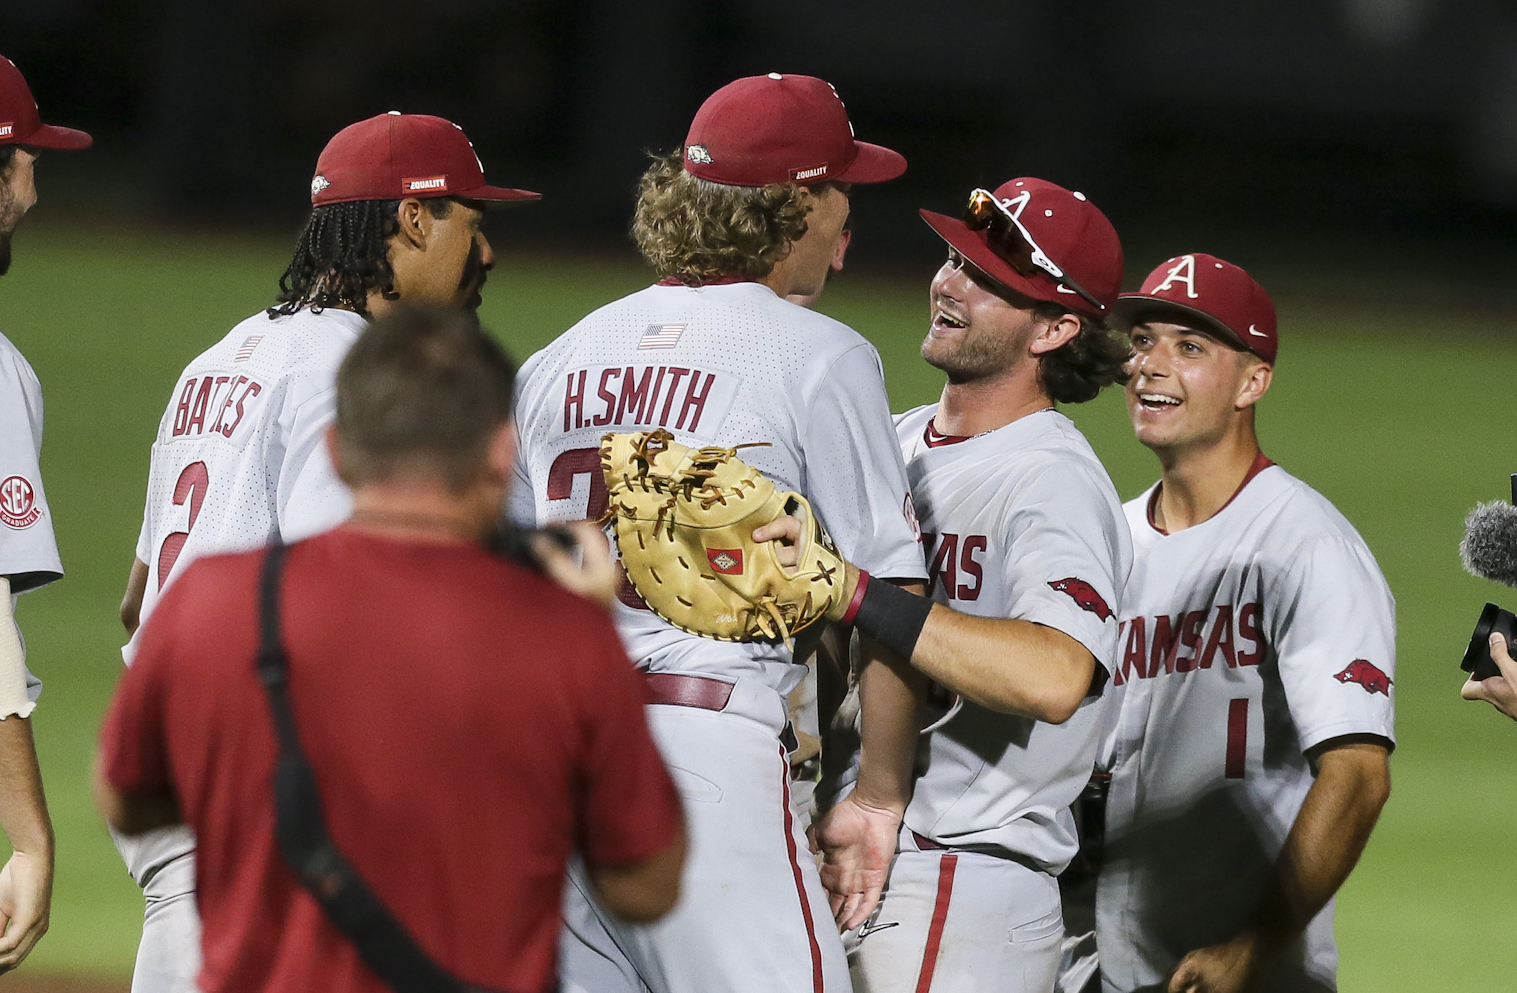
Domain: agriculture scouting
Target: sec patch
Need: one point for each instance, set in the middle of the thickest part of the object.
(18, 503)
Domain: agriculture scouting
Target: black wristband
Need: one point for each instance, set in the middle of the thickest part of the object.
(892, 616)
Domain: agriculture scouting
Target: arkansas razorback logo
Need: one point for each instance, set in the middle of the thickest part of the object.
(1084, 594)
(1368, 675)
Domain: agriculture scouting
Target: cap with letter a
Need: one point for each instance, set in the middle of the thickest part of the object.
(20, 122)
(1222, 296)
(395, 156)
(1040, 240)
(779, 128)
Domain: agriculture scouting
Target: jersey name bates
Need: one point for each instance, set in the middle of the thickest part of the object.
(214, 403)
(680, 398)
(1164, 645)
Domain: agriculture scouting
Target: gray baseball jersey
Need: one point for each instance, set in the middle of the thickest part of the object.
(1023, 523)
(28, 550)
(1246, 640)
(720, 365)
(240, 458)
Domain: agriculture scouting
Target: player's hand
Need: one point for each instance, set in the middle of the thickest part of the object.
(857, 841)
(786, 530)
(592, 575)
(1499, 691)
(26, 894)
(1224, 968)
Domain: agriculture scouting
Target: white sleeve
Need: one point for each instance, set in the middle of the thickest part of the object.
(28, 550)
(521, 504)
(1064, 564)
(855, 478)
(1331, 620)
(311, 499)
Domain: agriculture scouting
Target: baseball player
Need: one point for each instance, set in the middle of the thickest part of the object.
(1028, 556)
(1257, 672)
(240, 456)
(28, 551)
(749, 212)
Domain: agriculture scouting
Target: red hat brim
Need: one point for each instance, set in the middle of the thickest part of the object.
(62, 139)
(976, 249)
(872, 164)
(500, 193)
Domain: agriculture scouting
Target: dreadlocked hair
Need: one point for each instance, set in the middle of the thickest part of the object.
(343, 253)
(1092, 360)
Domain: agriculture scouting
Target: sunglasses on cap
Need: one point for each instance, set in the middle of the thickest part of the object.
(1014, 244)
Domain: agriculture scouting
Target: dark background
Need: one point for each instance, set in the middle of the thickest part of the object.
(1377, 134)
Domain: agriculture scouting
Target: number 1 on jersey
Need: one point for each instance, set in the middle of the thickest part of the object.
(1237, 738)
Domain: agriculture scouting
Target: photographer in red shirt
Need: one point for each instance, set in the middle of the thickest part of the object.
(468, 721)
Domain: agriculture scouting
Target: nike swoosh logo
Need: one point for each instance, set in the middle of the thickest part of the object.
(866, 929)
(1257, 334)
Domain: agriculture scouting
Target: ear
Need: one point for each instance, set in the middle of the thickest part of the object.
(1256, 379)
(334, 452)
(1055, 334)
(500, 456)
(415, 222)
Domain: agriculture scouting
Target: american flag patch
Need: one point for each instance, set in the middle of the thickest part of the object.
(661, 336)
(246, 351)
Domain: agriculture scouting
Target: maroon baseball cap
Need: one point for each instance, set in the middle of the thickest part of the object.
(20, 124)
(782, 129)
(394, 156)
(1062, 228)
(1224, 297)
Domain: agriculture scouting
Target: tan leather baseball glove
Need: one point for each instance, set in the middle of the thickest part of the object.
(684, 520)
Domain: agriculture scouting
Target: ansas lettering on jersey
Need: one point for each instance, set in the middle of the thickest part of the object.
(954, 561)
(681, 398)
(1164, 645)
(213, 403)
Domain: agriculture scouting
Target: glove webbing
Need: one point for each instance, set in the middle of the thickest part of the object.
(383, 943)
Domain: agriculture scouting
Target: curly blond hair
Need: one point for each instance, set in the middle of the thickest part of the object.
(695, 230)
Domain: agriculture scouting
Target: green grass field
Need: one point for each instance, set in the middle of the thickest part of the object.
(1402, 417)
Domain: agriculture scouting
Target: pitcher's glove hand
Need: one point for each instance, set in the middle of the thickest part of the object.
(684, 520)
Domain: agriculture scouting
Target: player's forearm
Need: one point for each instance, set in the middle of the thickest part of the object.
(891, 695)
(23, 806)
(131, 601)
(1009, 666)
(1340, 810)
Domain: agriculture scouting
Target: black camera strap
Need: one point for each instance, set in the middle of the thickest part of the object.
(383, 944)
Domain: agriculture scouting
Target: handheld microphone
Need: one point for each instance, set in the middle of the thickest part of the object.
(1489, 551)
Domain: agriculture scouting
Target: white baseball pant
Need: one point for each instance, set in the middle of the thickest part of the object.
(959, 922)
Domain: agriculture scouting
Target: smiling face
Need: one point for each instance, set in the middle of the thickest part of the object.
(975, 332)
(1188, 389)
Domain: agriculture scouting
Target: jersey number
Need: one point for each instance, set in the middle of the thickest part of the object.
(191, 486)
(1237, 738)
(579, 462)
(561, 474)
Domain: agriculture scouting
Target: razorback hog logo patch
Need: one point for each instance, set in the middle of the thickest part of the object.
(727, 561)
(1084, 594)
(1366, 674)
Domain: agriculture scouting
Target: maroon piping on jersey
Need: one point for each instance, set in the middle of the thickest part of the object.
(1261, 462)
(718, 281)
(936, 439)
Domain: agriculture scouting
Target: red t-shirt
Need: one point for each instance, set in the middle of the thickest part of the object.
(469, 724)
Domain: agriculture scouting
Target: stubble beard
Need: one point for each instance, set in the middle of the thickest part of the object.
(977, 356)
(8, 221)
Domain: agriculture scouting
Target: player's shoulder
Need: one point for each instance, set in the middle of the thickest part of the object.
(13, 364)
(1299, 515)
(305, 344)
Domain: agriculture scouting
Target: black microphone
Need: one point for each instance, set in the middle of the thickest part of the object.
(1489, 548)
